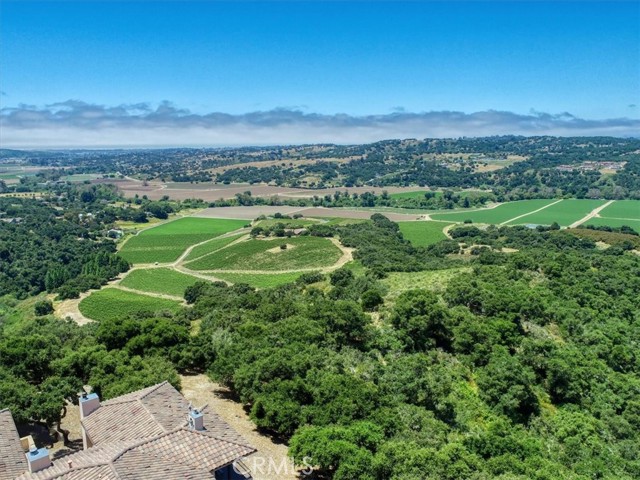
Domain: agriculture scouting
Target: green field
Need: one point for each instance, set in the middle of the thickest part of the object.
(502, 213)
(344, 221)
(417, 194)
(80, 177)
(423, 233)
(614, 222)
(211, 246)
(166, 242)
(436, 280)
(564, 213)
(260, 280)
(622, 209)
(111, 303)
(302, 252)
(288, 222)
(159, 280)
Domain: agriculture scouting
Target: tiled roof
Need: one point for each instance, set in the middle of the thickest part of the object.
(120, 422)
(140, 414)
(180, 454)
(145, 435)
(12, 458)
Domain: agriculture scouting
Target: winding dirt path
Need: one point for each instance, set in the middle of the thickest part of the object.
(181, 261)
(147, 293)
(70, 309)
(186, 253)
(593, 213)
(446, 229)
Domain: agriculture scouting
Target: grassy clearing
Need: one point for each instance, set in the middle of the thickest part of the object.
(211, 246)
(166, 242)
(499, 214)
(137, 226)
(622, 209)
(260, 280)
(420, 194)
(615, 222)
(417, 194)
(287, 222)
(564, 213)
(356, 267)
(610, 238)
(344, 221)
(435, 280)
(423, 233)
(159, 280)
(81, 177)
(111, 303)
(302, 252)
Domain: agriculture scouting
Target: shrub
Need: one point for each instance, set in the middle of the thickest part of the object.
(371, 299)
(43, 307)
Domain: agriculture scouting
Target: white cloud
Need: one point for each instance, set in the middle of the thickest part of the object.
(78, 124)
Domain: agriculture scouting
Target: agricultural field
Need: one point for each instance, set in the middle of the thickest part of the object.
(610, 238)
(496, 215)
(159, 280)
(622, 209)
(564, 213)
(421, 234)
(81, 177)
(211, 246)
(250, 255)
(166, 242)
(112, 303)
(343, 221)
(416, 194)
(288, 222)
(420, 194)
(614, 222)
(260, 280)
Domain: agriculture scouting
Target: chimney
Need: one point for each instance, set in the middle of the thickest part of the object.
(38, 459)
(196, 420)
(89, 403)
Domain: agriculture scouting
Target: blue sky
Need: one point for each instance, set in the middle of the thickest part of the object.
(359, 59)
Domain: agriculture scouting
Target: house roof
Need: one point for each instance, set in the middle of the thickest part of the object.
(180, 454)
(141, 414)
(148, 412)
(12, 458)
(145, 435)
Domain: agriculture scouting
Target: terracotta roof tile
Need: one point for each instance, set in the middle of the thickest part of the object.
(104, 472)
(197, 448)
(133, 395)
(144, 435)
(119, 422)
(136, 465)
(167, 406)
(181, 454)
(12, 458)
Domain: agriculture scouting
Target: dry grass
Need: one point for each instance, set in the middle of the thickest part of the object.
(200, 390)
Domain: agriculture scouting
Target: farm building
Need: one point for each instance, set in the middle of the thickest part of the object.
(150, 433)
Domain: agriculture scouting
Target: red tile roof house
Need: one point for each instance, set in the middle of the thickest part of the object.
(153, 433)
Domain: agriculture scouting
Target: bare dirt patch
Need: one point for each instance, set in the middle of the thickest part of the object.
(283, 163)
(213, 191)
(246, 213)
(69, 309)
(356, 214)
(200, 390)
(280, 249)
